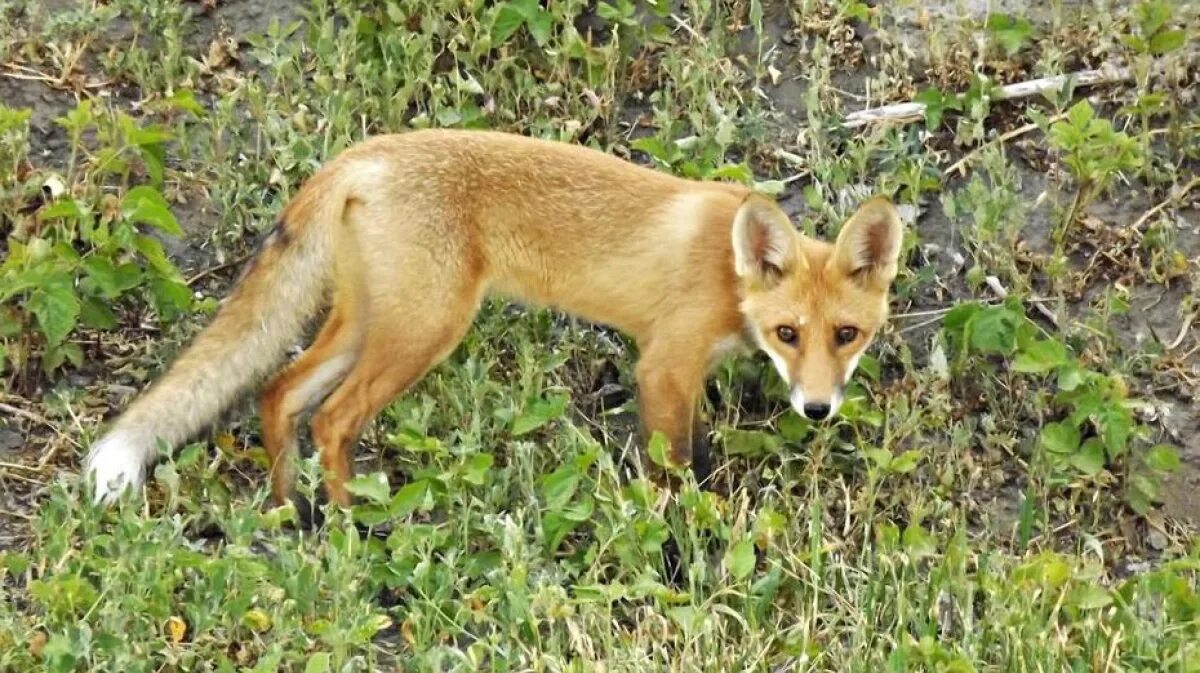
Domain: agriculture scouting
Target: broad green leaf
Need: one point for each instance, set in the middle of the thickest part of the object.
(508, 21)
(658, 448)
(1060, 438)
(169, 297)
(540, 23)
(1163, 457)
(1040, 356)
(739, 559)
(559, 486)
(477, 467)
(96, 314)
(1080, 115)
(748, 442)
(319, 663)
(373, 487)
(152, 250)
(1090, 597)
(1167, 41)
(539, 413)
(1090, 457)
(56, 308)
(994, 330)
(905, 462)
(918, 543)
(409, 498)
(145, 205)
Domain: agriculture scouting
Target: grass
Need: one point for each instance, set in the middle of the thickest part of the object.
(1006, 490)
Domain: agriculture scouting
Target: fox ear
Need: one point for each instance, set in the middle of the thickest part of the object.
(764, 241)
(868, 246)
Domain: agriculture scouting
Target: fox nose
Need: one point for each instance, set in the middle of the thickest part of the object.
(816, 410)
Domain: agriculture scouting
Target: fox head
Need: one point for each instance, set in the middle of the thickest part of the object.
(814, 307)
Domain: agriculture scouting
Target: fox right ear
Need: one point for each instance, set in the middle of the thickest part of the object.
(764, 241)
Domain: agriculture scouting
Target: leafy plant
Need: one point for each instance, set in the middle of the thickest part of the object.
(1095, 153)
(83, 253)
(1013, 33)
(1098, 430)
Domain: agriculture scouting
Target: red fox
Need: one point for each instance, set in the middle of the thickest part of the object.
(402, 237)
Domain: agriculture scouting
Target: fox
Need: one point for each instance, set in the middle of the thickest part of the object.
(399, 239)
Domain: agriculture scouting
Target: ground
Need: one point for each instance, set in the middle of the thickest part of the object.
(1009, 487)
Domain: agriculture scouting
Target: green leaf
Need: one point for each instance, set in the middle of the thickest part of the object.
(539, 413)
(748, 442)
(993, 330)
(409, 498)
(905, 462)
(540, 23)
(1080, 114)
(319, 663)
(1152, 15)
(373, 487)
(508, 21)
(96, 314)
(665, 153)
(556, 526)
(658, 448)
(56, 308)
(918, 543)
(477, 467)
(145, 205)
(1040, 357)
(1163, 458)
(170, 298)
(559, 486)
(183, 99)
(1167, 41)
(793, 427)
(1116, 425)
(739, 559)
(1090, 597)
(152, 250)
(1070, 378)
(1061, 438)
(1090, 457)
(1012, 33)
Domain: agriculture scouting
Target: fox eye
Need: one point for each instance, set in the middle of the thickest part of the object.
(846, 335)
(786, 334)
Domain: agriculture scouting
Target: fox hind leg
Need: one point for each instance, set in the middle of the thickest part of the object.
(398, 349)
(301, 386)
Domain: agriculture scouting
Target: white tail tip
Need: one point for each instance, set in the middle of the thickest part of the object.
(114, 464)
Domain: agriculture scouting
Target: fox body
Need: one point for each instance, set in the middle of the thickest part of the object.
(403, 236)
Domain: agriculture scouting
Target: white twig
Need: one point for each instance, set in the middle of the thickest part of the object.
(1002, 292)
(913, 111)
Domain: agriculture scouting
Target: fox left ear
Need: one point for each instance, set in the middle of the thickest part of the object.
(868, 246)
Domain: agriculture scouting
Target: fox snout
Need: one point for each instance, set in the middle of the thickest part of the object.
(816, 408)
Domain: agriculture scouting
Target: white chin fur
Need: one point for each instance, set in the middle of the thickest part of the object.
(114, 464)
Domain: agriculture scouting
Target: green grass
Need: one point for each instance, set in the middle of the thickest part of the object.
(998, 494)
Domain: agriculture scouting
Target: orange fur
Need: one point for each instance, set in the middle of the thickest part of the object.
(408, 233)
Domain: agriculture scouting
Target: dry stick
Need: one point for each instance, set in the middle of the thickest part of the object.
(946, 309)
(17, 411)
(999, 140)
(220, 267)
(1002, 292)
(1177, 196)
(1183, 331)
(906, 112)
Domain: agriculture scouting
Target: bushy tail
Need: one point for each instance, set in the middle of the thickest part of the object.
(265, 313)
